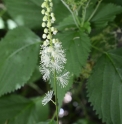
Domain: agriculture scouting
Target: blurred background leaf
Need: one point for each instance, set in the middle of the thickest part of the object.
(16, 109)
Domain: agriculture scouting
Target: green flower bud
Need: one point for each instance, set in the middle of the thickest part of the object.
(48, 24)
(49, 36)
(52, 15)
(48, 9)
(45, 18)
(43, 24)
(55, 32)
(52, 29)
(45, 30)
(51, 4)
(44, 36)
(43, 11)
(44, 4)
(53, 19)
(54, 41)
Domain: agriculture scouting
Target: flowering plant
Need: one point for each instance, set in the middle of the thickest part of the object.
(51, 58)
(52, 54)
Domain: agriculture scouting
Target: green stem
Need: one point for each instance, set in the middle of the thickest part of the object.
(49, 27)
(73, 15)
(84, 13)
(98, 49)
(53, 102)
(56, 100)
(95, 10)
(53, 116)
(6, 122)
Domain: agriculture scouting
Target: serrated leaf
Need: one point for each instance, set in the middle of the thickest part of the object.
(24, 12)
(77, 47)
(105, 87)
(18, 58)
(19, 110)
(104, 14)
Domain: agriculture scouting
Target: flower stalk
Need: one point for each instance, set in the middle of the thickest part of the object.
(53, 56)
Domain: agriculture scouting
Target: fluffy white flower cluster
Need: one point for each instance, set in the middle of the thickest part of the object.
(48, 97)
(52, 54)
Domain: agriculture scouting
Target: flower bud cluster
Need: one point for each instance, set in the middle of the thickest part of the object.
(52, 54)
(75, 4)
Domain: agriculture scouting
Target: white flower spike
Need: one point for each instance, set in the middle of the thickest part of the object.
(48, 97)
(53, 56)
(63, 79)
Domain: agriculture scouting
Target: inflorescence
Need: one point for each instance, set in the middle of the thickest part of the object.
(53, 56)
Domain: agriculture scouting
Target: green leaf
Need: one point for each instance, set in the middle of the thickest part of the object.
(60, 11)
(77, 46)
(19, 110)
(82, 121)
(104, 14)
(118, 2)
(66, 23)
(24, 12)
(48, 122)
(19, 55)
(27, 12)
(105, 87)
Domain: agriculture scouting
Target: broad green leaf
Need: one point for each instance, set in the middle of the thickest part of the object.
(66, 23)
(19, 110)
(104, 14)
(77, 47)
(82, 121)
(48, 122)
(118, 2)
(24, 12)
(105, 87)
(19, 55)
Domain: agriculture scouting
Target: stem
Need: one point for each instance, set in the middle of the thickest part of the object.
(50, 31)
(53, 102)
(56, 100)
(53, 116)
(73, 15)
(98, 49)
(95, 10)
(35, 87)
(6, 122)
(84, 13)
